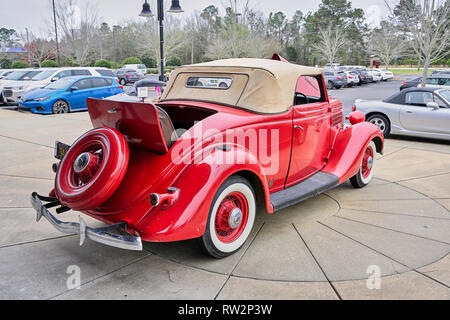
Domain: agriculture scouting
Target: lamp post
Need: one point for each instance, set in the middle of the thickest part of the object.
(146, 12)
(56, 32)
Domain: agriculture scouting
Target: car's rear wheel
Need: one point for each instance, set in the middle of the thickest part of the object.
(330, 85)
(381, 122)
(60, 106)
(231, 218)
(365, 172)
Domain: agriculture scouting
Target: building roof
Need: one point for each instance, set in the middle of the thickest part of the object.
(259, 85)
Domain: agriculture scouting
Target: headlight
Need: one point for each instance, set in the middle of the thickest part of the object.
(41, 99)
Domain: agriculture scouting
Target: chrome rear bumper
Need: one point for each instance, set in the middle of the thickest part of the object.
(102, 235)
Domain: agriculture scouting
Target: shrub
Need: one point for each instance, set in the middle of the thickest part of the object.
(173, 61)
(20, 64)
(132, 60)
(103, 63)
(448, 63)
(49, 64)
(149, 62)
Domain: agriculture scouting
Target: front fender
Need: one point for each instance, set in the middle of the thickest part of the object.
(198, 184)
(348, 149)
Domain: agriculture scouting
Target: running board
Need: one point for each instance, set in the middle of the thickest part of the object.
(311, 187)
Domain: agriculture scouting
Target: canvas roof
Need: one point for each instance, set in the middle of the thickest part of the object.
(259, 85)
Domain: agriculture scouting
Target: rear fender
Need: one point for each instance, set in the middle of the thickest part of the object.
(187, 217)
(349, 147)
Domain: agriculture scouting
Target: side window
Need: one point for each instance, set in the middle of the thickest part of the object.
(439, 101)
(98, 82)
(308, 90)
(81, 72)
(417, 98)
(83, 84)
(63, 74)
(433, 81)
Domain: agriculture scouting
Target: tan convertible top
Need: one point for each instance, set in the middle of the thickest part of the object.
(259, 85)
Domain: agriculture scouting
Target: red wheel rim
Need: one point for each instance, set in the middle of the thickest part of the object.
(224, 231)
(367, 162)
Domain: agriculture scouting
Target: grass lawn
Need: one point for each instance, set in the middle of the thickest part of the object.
(409, 71)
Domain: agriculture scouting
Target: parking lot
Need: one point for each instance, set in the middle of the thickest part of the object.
(330, 247)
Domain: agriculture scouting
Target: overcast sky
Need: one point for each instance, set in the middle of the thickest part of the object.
(35, 14)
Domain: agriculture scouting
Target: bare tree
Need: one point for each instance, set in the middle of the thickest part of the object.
(236, 41)
(386, 43)
(428, 29)
(331, 41)
(39, 49)
(79, 29)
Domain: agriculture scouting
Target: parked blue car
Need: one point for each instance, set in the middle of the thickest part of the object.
(68, 94)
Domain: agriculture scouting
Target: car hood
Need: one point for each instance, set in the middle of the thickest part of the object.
(38, 93)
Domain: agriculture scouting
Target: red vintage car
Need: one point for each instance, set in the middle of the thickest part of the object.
(225, 138)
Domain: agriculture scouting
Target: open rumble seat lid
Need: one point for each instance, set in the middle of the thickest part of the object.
(138, 122)
(259, 85)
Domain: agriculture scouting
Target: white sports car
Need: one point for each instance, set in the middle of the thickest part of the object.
(386, 75)
(423, 112)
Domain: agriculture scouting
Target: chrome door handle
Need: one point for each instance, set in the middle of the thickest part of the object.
(409, 112)
(298, 127)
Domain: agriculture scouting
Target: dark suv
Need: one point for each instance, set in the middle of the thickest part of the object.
(126, 76)
(335, 79)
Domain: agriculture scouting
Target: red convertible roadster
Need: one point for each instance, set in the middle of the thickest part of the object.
(225, 138)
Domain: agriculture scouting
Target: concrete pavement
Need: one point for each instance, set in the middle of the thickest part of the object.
(324, 248)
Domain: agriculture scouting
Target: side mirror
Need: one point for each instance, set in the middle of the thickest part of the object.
(54, 79)
(433, 105)
(73, 88)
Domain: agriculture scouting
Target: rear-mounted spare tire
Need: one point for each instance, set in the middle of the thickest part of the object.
(92, 169)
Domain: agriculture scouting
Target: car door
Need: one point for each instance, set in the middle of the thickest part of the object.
(311, 130)
(416, 116)
(101, 89)
(84, 90)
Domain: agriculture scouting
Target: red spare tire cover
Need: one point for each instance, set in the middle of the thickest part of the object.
(110, 149)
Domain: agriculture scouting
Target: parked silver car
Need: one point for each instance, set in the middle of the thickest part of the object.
(423, 112)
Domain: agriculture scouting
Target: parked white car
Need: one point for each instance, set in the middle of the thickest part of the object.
(352, 78)
(386, 75)
(376, 74)
(439, 80)
(13, 91)
(14, 77)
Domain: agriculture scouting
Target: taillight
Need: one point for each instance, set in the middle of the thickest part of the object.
(403, 83)
(353, 108)
(363, 76)
(128, 75)
(121, 86)
(339, 78)
(350, 77)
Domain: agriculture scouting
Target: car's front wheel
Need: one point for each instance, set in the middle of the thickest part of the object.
(381, 122)
(60, 106)
(231, 218)
(365, 172)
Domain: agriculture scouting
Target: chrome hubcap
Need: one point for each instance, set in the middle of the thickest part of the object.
(235, 218)
(81, 162)
(379, 123)
(369, 163)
